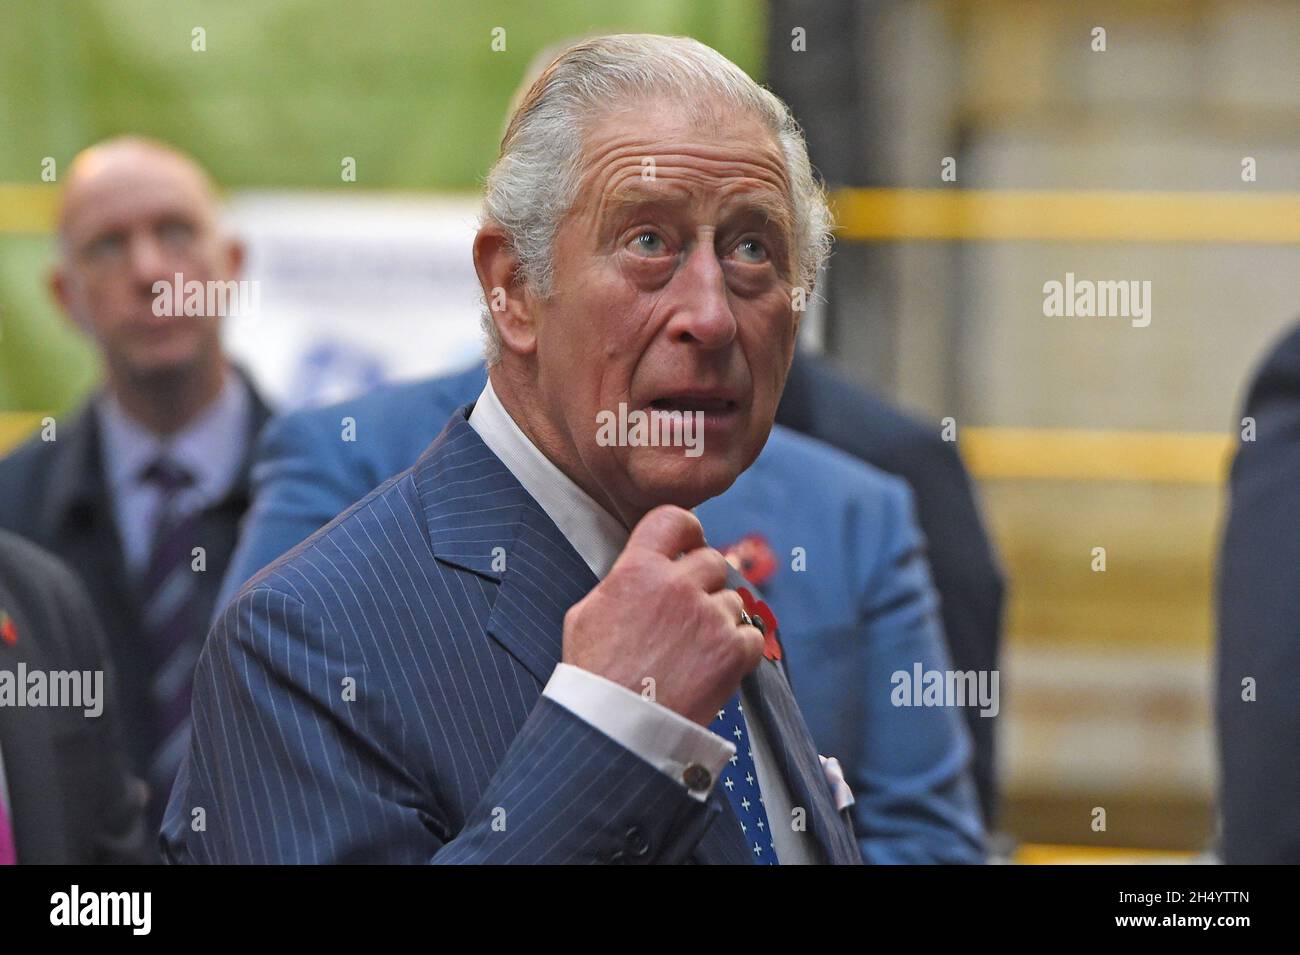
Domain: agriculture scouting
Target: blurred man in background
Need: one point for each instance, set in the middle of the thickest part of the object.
(142, 489)
(1257, 707)
(66, 796)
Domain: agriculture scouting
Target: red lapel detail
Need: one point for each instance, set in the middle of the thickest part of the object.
(753, 558)
(759, 608)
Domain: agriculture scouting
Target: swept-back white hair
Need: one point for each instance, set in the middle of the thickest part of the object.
(534, 181)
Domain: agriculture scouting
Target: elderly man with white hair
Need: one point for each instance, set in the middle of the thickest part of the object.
(521, 649)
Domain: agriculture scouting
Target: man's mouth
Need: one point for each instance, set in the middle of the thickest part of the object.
(709, 405)
(148, 322)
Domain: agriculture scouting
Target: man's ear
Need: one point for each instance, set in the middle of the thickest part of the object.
(59, 283)
(236, 255)
(504, 290)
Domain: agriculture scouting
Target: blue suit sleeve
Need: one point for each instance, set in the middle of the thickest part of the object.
(1256, 710)
(302, 477)
(284, 767)
(915, 795)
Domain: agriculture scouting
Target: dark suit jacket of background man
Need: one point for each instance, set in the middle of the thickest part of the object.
(821, 403)
(71, 798)
(56, 494)
(1259, 625)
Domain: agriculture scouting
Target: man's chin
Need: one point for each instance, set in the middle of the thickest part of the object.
(167, 344)
(162, 362)
(686, 482)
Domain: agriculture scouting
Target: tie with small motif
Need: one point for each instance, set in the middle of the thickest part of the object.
(740, 780)
(173, 635)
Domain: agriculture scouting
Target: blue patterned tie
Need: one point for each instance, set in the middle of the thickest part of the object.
(740, 782)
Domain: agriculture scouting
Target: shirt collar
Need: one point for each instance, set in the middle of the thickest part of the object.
(594, 533)
(211, 447)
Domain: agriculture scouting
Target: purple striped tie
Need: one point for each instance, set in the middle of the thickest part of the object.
(173, 635)
(8, 852)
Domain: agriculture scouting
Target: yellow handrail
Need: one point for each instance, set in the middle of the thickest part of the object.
(1079, 216)
(969, 214)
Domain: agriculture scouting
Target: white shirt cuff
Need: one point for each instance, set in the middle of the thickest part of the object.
(663, 738)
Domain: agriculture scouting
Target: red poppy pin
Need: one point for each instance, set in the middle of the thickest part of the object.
(753, 558)
(765, 620)
(8, 632)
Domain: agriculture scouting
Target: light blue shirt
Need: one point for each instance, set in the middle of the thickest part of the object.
(211, 448)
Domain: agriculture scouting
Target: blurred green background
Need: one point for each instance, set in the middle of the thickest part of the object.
(414, 91)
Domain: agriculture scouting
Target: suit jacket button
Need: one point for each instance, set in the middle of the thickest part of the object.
(697, 778)
(636, 843)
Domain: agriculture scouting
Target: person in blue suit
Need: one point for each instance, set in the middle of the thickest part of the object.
(521, 648)
(820, 402)
(859, 609)
(1256, 709)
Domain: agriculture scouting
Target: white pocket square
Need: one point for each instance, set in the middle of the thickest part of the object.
(839, 786)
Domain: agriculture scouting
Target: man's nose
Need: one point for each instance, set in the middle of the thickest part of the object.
(147, 263)
(704, 312)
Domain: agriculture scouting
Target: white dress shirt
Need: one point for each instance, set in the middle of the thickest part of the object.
(662, 737)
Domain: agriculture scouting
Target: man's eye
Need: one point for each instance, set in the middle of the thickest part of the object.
(648, 243)
(752, 250)
(175, 233)
(106, 246)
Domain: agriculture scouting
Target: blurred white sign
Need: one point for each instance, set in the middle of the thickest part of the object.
(354, 291)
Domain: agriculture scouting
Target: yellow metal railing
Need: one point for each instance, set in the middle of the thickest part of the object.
(1046, 854)
(15, 426)
(27, 210)
(957, 214)
(1084, 216)
(1149, 457)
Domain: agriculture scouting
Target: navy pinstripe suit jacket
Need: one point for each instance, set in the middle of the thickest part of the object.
(375, 696)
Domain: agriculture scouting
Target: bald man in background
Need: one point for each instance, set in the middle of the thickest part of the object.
(141, 490)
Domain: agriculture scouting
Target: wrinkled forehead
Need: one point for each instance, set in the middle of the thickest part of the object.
(123, 187)
(645, 150)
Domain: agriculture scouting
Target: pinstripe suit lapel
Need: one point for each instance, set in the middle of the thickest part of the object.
(799, 763)
(544, 578)
(513, 542)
